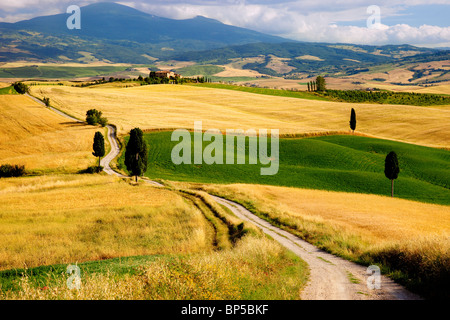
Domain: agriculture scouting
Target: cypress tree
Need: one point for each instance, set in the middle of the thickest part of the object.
(391, 169)
(353, 120)
(136, 153)
(99, 146)
(320, 82)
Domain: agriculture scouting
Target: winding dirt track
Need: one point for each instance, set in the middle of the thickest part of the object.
(331, 277)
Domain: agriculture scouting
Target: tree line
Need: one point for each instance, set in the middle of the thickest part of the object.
(387, 97)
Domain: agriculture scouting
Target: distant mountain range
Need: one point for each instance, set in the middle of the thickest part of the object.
(116, 33)
(118, 27)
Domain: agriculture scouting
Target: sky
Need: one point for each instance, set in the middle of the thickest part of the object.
(418, 22)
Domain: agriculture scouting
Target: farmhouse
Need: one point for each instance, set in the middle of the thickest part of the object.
(167, 74)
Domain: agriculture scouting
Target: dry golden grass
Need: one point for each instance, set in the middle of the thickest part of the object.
(381, 219)
(230, 71)
(440, 89)
(68, 219)
(40, 139)
(17, 64)
(254, 269)
(409, 240)
(169, 106)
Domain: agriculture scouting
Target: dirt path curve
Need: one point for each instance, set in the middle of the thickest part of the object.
(331, 277)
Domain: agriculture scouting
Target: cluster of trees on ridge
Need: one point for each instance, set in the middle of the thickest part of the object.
(387, 97)
(317, 85)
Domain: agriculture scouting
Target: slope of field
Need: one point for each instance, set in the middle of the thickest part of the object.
(257, 268)
(36, 137)
(176, 106)
(339, 163)
(7, 90)
(163, 244)
(407, 239)
(65, 219)
(58, 72)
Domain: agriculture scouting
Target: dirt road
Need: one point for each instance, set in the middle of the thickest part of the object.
(331, 277)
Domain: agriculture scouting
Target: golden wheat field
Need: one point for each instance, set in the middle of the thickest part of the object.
(176, 106)
(42, 140)
(375, 227)
(377, 217)
(73, 218)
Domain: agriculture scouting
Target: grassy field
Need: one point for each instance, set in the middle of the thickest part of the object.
(131, 242)
(338, 163)
(8, 90)
(265, 91)
(58, 72)
(256, 268)
(74, 218)
(408, 239)
(200, 70)
(176, 106)
(43, 141)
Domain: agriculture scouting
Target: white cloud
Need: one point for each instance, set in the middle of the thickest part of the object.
(297, 19)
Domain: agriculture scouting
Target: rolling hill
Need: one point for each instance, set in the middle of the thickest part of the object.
(335, 163)
(43, 141)
(112, 32)
(118, 33)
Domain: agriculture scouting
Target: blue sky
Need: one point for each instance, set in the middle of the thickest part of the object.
(416, 22)
(415, 16)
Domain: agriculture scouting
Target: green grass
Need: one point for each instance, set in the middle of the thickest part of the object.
(8, 90)
(205, 70)
(387, 97)
(58, 72)
(270, 92)
(336, 163)
(231, 79)
(40, 276)
(275, 275)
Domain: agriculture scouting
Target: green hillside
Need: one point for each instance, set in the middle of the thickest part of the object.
(8, 90)
(337, 163)
(57, 72)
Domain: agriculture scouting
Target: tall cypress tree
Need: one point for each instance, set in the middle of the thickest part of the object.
(353, 120)
(99, 146)
(320, 82)
(136, 153)
(391, 169)
(308, 87)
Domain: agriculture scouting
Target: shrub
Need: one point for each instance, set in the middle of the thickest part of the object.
(7, 171)
(103, 121)
(92, 170)
(46, 101)
(20, 87)
(94, 117)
